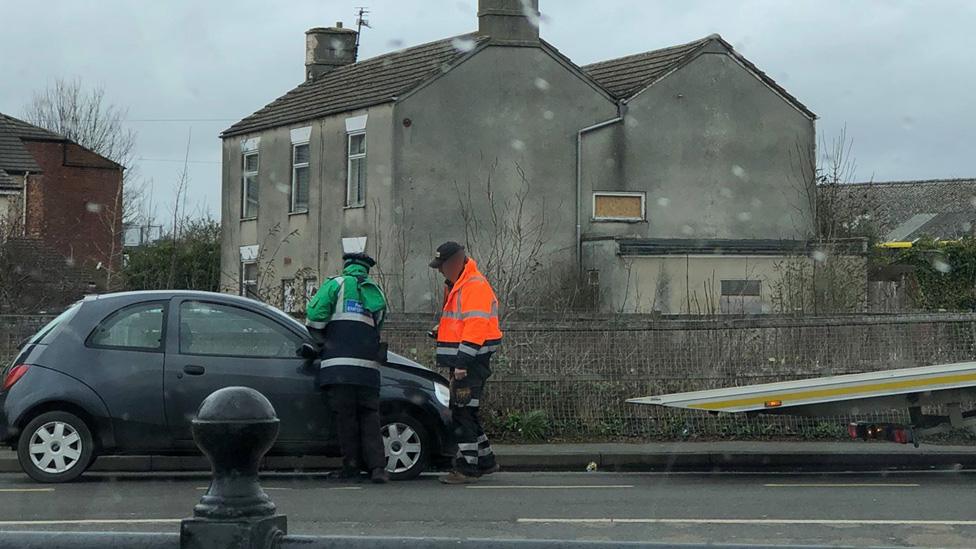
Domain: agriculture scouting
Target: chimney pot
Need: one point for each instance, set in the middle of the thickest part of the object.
(328, 48)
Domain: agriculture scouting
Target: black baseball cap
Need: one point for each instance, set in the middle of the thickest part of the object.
(360, 259)
(444, 252)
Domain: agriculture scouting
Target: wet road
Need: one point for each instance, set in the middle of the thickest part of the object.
(905, 509)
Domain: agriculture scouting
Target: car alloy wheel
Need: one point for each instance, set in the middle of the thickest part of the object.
(403, 447)
(55, 447)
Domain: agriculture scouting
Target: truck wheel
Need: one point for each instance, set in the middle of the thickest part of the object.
(407, 445)
(55, 447)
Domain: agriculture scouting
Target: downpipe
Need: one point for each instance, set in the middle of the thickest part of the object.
(579, 183)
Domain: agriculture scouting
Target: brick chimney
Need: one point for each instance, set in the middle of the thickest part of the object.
(328, 48)
(509, 20)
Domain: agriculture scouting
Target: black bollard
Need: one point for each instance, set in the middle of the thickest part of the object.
(234, 428)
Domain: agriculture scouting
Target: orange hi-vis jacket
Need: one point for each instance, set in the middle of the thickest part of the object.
(468, 332)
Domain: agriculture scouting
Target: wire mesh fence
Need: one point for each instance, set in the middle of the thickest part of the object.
(574, 375)
(580, 373)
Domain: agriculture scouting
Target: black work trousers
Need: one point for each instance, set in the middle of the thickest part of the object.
(474, 453)
(357, 410)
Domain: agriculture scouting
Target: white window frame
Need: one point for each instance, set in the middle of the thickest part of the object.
(295, 166)
(289, 299)
(350, 157)
(641, 195)
(244, 183)
(735, 302)
(245, 283)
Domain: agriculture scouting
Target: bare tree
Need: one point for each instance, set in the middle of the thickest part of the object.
(832, 277)
(507, 235)
(824, 185)
(84, 115)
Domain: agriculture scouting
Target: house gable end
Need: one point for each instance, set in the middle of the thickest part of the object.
(715, 44)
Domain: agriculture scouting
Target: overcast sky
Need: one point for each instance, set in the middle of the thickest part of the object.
(900, 75)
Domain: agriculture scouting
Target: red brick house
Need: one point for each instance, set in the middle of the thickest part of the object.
(62, 199)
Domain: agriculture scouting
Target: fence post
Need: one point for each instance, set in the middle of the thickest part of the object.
(234, 428)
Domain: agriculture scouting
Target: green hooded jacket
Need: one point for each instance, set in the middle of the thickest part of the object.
(360, 293)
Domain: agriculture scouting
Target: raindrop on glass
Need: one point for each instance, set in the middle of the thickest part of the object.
(819, 256)
(462, 44)
(93, 207)
(687, 229)
(542, 84)
(738, 171)
(282, 188)
(725, 192)
(941, 266)
(744, 216)
(518, 144)
(530, 13)
(548, 115)
(664, 202)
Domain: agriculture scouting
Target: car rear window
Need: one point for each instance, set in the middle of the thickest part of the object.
(42, 335)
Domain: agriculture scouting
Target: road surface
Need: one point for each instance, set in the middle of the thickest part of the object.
(904, 509)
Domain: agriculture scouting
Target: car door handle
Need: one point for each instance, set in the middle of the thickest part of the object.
(194, 370)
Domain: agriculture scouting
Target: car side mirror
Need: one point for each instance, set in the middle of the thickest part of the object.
(307, 351)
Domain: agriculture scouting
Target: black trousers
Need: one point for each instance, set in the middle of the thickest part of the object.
(357, 410)
(474, 451)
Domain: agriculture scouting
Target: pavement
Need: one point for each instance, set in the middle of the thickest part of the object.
(649, 457)
(891, 509)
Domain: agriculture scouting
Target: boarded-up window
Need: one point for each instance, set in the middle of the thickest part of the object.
(618, 206)
(741, 297)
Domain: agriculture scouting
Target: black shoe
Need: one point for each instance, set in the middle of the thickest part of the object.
(490, 470)
(380, 476)
(457, 477)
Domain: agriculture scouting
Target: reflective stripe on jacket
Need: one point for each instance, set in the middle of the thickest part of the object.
(345, 316)
(468, 331)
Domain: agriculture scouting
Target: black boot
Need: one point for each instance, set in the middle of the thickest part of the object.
(380, 476)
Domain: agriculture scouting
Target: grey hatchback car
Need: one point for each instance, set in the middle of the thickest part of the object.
(125, 373)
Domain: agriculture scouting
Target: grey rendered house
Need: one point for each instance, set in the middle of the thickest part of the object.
(650, 178)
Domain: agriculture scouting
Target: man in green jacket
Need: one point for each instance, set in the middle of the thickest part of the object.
(345, 317)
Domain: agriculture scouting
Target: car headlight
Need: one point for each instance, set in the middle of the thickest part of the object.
(443, 393)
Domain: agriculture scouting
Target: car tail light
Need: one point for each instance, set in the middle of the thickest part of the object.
(13, 376)
(884, 431)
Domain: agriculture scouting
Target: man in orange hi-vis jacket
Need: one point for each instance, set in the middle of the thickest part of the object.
(467, 336)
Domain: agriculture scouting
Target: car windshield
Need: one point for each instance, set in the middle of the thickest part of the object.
(684, 272)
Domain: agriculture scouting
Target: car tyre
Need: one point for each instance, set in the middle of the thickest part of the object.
(407, 445)
(55, 447)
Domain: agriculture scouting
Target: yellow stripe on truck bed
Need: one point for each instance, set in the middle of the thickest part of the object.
(838, 391)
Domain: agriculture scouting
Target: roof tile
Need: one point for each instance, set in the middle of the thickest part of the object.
(906, 210)
(14, 157)
(370, 82)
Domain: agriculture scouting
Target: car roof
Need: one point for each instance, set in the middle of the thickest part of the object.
(141, 295)
(125, 298)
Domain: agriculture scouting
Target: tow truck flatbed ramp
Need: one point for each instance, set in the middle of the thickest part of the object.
(926, 385)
